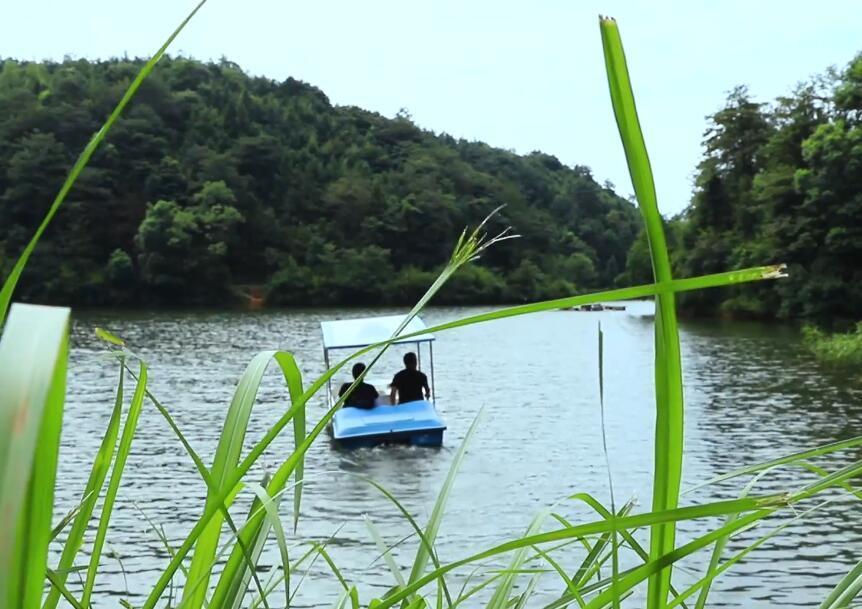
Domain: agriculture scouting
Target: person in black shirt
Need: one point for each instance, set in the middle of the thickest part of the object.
(363, 395)
(409, 384)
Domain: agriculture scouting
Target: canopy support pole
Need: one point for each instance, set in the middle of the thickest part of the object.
(329, 380)
(431, 358)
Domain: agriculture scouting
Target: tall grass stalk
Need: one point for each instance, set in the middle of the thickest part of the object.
(667, 474)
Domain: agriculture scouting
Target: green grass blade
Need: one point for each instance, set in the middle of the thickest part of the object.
(385, 552)
(84, 158)
(58, 584)
(293, 380)
(423, 539)
(34, 351)
(826, 449)
(845, 591)
(713, 574)
(98, 473)
(500, 598)
(615, 547)
(668, 367)
(211, 486)
(423, 553)
(715, 558)
(763, 505)
(270, 504)
(224, 464)
(129, 429)
(232, 582)
(571, 588)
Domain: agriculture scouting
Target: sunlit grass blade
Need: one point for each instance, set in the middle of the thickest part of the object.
(589, 565)
(163, 538)
(207, 478)
(277, 580)
(350, 591)
(845, 591)
(98, 473)
(34, 350)
(761, 273)
(224, 463)
(571, 588)
(528, 591)
(615, 548)
(385, 551)
(424, 551)
(667, 474)
(500, 598)
(57, 584)
(714, 573)
(271, 506)
(12, 280)
(129, 429)
(423, 539)
(784, 460)
(232, 582)
(763, 505)
(720, 543)
(639, 574)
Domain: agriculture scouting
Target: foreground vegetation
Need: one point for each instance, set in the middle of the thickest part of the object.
(33, 358)
(212, 178)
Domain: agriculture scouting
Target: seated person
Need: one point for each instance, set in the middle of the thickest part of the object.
(410, 384)
(363, 395)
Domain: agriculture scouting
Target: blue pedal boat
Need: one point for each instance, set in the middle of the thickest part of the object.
(416, 423)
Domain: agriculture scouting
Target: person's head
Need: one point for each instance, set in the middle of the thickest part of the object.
(410, 361)
(358, 368)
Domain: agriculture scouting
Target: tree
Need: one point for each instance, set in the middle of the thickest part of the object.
(212, 177)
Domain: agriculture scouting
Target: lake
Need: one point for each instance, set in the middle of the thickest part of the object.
(752, 391)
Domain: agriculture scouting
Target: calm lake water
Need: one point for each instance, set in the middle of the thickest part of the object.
(752, 393)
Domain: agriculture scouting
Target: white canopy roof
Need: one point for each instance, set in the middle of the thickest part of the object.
(343, 333)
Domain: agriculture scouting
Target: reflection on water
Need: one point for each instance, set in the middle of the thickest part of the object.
(752, 394)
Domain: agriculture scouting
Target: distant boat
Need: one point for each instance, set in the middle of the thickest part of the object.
(417, 423)
(597, 307)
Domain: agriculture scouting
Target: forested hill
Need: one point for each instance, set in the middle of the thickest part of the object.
(782, 182)
(213, 179)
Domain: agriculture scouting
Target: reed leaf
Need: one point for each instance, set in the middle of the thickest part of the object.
(792, 458)
(98, 473)
(667, 473)
(764, 506)
(129, 429)
(425, 549)
(34, 350)
(385, 551)
(271, 506)
(845, 591)
(711, 575)
(500, 598)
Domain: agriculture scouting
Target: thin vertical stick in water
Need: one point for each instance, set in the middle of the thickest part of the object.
(615, 565)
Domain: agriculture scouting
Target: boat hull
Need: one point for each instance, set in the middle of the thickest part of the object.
(414, 423)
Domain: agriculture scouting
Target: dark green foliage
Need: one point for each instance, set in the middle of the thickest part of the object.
(213, 179)
(782, 183)
(840, 349)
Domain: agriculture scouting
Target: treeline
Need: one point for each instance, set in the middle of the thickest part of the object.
(779, 182)
(214, 180)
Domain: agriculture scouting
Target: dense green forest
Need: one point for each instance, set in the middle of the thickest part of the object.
(214, 180)
(779, 182)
